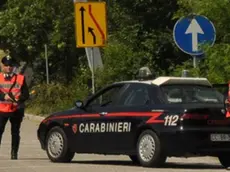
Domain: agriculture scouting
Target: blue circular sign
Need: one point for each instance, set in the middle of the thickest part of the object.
(190, 33)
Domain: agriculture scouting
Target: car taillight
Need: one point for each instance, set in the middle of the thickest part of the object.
(194, 116)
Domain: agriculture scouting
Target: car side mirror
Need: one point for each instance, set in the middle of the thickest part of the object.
(79, 104)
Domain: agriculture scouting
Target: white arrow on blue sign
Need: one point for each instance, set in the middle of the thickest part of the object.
(191, 32)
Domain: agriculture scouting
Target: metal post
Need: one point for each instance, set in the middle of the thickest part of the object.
(92, 60)
(47, 67)
(194, 61)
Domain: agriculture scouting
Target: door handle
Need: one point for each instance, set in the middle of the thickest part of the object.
(103, 113)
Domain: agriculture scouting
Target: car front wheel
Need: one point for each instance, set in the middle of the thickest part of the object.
(57, 146)
(150, 153)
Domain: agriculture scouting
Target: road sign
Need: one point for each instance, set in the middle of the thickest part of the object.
(190, 33)
(91, 24)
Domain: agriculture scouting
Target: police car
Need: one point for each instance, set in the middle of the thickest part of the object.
(147, 120)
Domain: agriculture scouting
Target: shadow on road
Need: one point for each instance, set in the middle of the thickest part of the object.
(32, 159)
(167, 164)
(107, 162)
(192, 166)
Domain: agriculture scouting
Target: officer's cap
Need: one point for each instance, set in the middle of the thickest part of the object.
(7, 61)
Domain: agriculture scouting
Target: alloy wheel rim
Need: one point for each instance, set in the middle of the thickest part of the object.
(147, 148)
(55, 144)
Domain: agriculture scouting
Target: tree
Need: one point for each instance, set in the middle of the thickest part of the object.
(26, 26)
(146, 26)
(2, 2)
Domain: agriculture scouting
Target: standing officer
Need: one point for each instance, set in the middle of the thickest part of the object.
(13, 93)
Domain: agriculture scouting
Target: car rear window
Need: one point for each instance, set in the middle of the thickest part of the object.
(191, 94)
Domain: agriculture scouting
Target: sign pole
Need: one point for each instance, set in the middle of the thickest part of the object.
(47, 65)
(92, 60)
(194, 61)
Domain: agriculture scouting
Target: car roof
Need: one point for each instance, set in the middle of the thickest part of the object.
(168, 80)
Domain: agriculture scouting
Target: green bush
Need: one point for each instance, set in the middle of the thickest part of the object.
(49, 98)
(55, 97)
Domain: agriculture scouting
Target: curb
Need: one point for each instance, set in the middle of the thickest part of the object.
(34, 117)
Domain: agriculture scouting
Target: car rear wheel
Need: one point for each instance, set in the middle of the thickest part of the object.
(150, 153)
(225, 160)
(57, 146)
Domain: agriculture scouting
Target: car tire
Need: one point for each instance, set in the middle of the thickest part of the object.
(149, 150)
(57, 146)
(224, 160)
(134, 159)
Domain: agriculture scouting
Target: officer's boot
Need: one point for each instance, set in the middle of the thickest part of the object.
(14, 148)
(14, 155)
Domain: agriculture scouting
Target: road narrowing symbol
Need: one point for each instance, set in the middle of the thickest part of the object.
(91, 24)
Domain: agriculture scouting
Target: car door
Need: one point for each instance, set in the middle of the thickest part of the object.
(133, 103)
(122, 118)
(91, 135)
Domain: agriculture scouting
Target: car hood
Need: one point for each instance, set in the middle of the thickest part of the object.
(66, 112)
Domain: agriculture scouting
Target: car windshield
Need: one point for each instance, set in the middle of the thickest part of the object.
(191, 94)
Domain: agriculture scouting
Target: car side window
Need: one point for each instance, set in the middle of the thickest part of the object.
(137, 94)
(175, 95)
(106, 97)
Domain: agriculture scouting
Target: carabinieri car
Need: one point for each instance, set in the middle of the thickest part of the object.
(148, 120)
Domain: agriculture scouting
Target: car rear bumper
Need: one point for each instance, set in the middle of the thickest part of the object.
(193, 142)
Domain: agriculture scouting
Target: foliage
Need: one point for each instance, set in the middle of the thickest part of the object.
(49, 98)
(146, 26)
(26, 26)
(120, 63)
(218, 63)
(140, 34)
(54, 97)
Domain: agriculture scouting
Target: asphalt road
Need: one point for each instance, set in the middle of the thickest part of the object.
(33, 159)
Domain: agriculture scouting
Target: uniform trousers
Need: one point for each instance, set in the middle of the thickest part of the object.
(15, 120)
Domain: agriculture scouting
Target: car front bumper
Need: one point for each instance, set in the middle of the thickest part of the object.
(41, 136)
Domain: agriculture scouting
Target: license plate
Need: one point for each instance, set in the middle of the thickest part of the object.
(220, 137)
